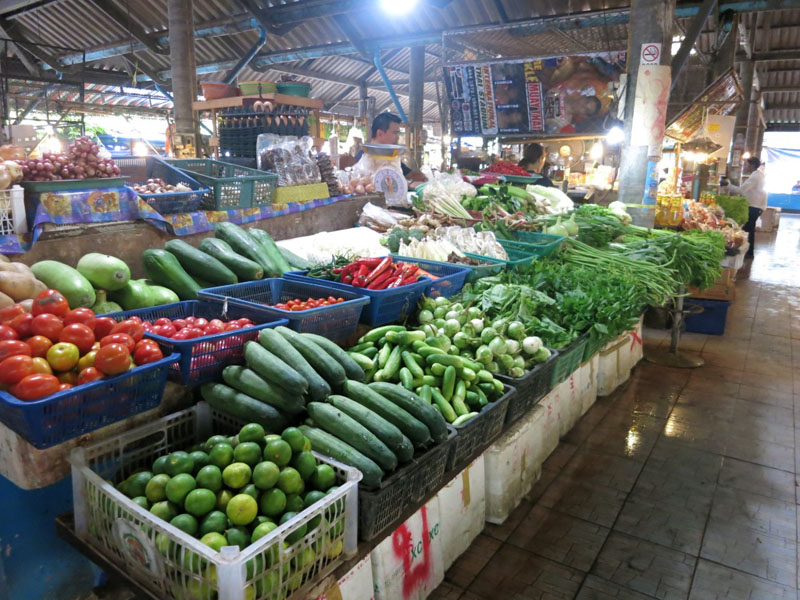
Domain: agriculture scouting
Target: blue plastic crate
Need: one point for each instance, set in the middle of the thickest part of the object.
(140, 169)
(710, 320)
(335, 322)
(450, 277)
(203, 359)
(385, 306)
(79, 410)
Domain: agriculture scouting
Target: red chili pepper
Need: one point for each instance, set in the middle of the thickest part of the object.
(338, 271)
(380, 281)
(360, 279)
(347, 279)
(413, 278)
(396, 282)
(370, 262)
(380, 269)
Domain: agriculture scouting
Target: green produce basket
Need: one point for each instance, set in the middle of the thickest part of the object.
(295, 88)
(63, 185)
(231, 186)
(519, 255)
(569, 359)
(256, 88)
(519, 179)
(593, 345)
(541, 244)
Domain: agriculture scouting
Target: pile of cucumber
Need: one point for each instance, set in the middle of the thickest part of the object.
(288, 375)
(432, 367)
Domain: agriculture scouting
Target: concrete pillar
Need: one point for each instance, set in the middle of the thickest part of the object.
(753, 123)
(746, 72)
(651, 21)
(181, 54)
(416, 88)
(760, 140)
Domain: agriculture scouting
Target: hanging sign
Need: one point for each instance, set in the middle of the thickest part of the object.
(651, 54)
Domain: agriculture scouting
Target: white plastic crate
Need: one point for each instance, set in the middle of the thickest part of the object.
(12, 211)
(550, 427)
(356, 584)
(588, 383)
(174, 564)
(465, 499)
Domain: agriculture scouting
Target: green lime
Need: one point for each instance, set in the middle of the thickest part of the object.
(179, 462)
(214, 540)
(278, 452)
(305, 463)
(200, 502)
(271, 437)
(164, 510)
(186, 523)
(289, 481)
(214, 440)
(137, 483)
(160, 465)
(199, 458)
(294, 503)
(298, 533)
(237, 475)
(213, 521)
(179, 487)
(248, 453)
(313, 497)
(155, 490)
(262, 530)
(262, 519)
(242, 509)
(324, 477)
(272, 503)
(122, 486)
(210, 478)
(252, 432)
(265, 475)
(223, 496)
(268, 585)
(141, 501)
(294, 437)
(251, 490)
(221, 455)
(238, 536)
(306, 445)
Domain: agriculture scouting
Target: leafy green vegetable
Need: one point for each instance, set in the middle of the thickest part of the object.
(735, 207)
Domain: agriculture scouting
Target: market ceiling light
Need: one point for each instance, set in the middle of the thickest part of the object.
(140, 149)
(746, 155)
(596, 153)
(398, 7)
(615, 136)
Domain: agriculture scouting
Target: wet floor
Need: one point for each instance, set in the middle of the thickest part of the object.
(682, 483)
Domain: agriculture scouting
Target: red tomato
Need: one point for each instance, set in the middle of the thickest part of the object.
(190, 320)
(282, 306)
(9, 312)
(232, 325)
(15, 368)
(135, 319)
(70, 377)
(36, 386)
(52, 302)
(131, 327)
(12, 348)
(162, 321)
(148, 327)
(39, 345)
(246, 322)
(7, 333)
(119, 338)
(145, 342)
(179, 324)
(331, 299)
(80, 315)
(147, 353)
(47, 325)
(103, 326)
(200, 322)
(195, 332)
(63, 356)
(217, 323)
(79, 334)
(22, 325)
(112, 359)
(182, 334)
(212, 329)
(88, 375)
(40, 365)
(167, 330)
(65, 386)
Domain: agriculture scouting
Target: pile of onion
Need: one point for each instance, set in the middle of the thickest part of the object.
(80, 161)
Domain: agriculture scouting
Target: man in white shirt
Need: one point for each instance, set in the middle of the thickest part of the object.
(754, 189)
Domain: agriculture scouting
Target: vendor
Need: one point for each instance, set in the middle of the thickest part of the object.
(533, 161)
(386, 130)
(754, 189)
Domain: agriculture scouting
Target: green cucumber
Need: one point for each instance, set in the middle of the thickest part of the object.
(337, 423)
(363, 361)
(405, 338)
(298, 262)
(375, 334)
(351, 368)
(271, 248)
(318, 388)
(104, 272)
(242, 406)
(445, 410)
(414, 405)
(464, 418)
(243, 244)
(425, 393)
(412, 428)
(370, 353)
(406, 379)
(386, 432)
(411, 364)
(361, 347)
(392, 364)
(199, 264)
(251, 383)
(161, 295)
(457, 400)
(329, 445)
(273, 369)
(164, 269)
(444, 359)
(73, 286)
(383, 355)
(322, 362)
(244, 268)
(449, 382)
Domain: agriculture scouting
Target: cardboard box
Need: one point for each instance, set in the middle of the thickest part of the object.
(724, 288)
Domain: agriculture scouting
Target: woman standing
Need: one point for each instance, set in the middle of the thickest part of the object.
(533, 161)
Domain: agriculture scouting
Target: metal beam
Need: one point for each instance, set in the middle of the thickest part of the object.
(501, 11)
(248, 56)
(350, 32)
(781, 89)
(16, 70)
(776, 55)
(32, 67)
(696, 26)
(124, 20)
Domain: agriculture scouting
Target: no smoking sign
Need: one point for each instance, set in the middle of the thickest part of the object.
(651, 54)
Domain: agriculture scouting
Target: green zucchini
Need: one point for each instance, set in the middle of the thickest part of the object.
(412, 428)
(164, 269)
(322, 362)
(414, 405)
(337, 423)
(318, 388)
(351, 368)
(244, 268)
(389, 434)
(199, 264)
(329, 445)
(298, 262)
(251, 383)
(273, 369)
(242, 243)
(271, 248)
(242, 406)
(73, 286)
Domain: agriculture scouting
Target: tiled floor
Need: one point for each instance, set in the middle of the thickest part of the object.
(704, 504)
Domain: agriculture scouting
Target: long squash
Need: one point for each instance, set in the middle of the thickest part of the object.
(244, 244)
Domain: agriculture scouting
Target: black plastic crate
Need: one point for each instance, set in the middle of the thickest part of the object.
(477, 434)
(531, 387)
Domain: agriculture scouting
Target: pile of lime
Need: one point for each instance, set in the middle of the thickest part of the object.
(232, 491)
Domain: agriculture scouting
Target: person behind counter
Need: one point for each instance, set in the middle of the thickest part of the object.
(754, 189)
(533, 161)
(386, 130)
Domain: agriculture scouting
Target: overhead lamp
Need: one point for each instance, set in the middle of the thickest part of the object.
(398, 7)
(596, 153)
(140, 149)
(746, 155)
(615, 136)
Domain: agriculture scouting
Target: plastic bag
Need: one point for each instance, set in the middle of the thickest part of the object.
(376, 217)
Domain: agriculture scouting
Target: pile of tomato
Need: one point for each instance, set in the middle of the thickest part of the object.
(298, 304)
(53, 348)
(189, 328)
